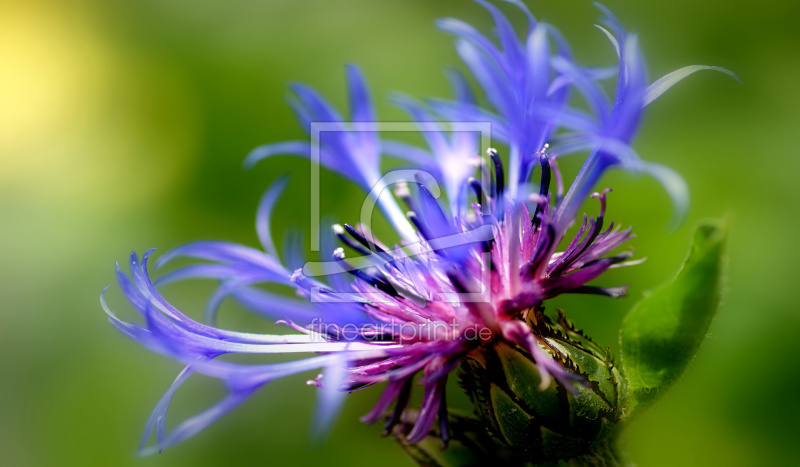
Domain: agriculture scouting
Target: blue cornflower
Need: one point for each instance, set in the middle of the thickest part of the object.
(464, 277)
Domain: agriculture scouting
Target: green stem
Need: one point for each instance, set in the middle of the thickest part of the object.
(603, 453)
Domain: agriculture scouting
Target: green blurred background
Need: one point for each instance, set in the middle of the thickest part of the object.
(123, 125)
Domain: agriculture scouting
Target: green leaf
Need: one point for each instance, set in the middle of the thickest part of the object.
(663, 332)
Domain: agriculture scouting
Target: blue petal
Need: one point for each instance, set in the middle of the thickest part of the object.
(661, 85)
(508, 38)
(627, 110)
(159, 413)
(200, 271)
(223, 291)
(198, 423)
(330, 397)
(571, 119)
(300, 112)
(561, 43)
(294, 148)
(224, 252)
(467, 32)
(265, 212)
(243, 381)
(431, 129)
(601, 73)
(408, 152)
(472, 113)
(432, 215)
(130, 291)
(360, 103)
(186, 323)
(319, 108)
(133, 331)
(611, 21)
(461, 88)
(362, 113)
(294, 257)
(488, 75)
(675, 186)
(526, 12)
(301, 312)
(538, 66)
(611, 39)
(591, 91)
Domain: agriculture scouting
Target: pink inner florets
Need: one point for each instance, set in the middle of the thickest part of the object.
(440, 305)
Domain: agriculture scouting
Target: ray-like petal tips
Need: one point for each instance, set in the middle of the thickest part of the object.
(248, 258)
(264, 213)
(461, 88)
(487, 73)
(159, 414)
(611, 39)
(196, 424)
(611, 21)
(661, 85)
(508, 37)
(537, 51)
(591, 90)
(525, 11)
(475, 254)
(468, 33)
(360, 103)
(293, 148)
(675, 187)
(330, 397)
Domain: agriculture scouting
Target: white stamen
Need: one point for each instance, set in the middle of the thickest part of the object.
(401, 190)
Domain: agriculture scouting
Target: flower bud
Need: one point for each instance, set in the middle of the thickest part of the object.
(551, 423)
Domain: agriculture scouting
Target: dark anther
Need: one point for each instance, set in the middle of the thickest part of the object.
(400, 406)
(444, 427)
(499, 177)
(477, 188)
(564, 261)
(544, 243)
(457, 280)
(305, 284)
(370, 245)
(339, 231)
(419, 224)
(544, 187)
(613, 292)
(378, 282)
(597, 226)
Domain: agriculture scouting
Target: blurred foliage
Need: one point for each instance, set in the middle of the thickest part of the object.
(123, 125)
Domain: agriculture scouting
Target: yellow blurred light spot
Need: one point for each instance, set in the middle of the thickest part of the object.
(80, 114)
